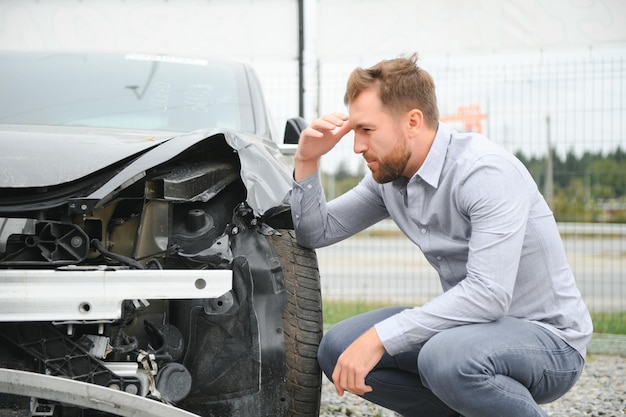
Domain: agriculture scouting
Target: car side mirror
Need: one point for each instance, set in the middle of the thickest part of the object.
(293, 128)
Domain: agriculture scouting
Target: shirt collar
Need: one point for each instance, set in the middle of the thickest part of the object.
(431, 169)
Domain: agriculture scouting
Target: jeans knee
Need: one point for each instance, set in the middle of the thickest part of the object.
(442, 363)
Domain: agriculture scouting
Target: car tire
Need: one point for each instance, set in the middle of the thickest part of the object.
(302, 323)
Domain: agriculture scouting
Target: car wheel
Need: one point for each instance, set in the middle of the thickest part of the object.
(302, 323)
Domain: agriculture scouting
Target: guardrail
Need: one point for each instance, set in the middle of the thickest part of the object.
(593, 229)
(388, 227)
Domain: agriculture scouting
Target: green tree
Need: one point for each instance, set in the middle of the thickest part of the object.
(608, 178)
(572, 204)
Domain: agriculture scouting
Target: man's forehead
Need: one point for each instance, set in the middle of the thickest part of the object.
(365, 109)
(366, 101)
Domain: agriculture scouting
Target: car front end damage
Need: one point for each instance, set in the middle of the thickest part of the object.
(169, 274)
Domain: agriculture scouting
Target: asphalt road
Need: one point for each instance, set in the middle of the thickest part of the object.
(393, 270)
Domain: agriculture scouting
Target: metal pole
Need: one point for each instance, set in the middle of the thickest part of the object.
(301, 58)
(549, 185)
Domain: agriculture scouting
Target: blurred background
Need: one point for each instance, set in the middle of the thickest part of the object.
(544, 78)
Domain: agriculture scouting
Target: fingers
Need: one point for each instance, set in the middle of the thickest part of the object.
(355, 363)
(350, 379)
(339, 379)
(330, 124)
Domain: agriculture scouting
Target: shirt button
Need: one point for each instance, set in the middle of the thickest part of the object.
(438, 258)
(309, 187)
(423, 230)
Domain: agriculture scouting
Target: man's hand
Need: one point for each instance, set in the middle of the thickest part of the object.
(356, 362)
(316, 140)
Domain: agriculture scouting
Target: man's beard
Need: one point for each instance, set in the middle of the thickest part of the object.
(392, 166)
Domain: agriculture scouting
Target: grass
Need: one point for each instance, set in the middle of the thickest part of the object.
(336, 311)
(609, 323)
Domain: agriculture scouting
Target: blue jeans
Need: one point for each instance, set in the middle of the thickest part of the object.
(502, 368)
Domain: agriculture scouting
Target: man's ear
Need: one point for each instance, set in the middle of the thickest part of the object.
(415, 119)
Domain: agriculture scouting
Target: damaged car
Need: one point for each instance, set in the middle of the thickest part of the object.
(148, 263)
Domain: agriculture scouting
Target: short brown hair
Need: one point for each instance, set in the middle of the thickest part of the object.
(401, 84)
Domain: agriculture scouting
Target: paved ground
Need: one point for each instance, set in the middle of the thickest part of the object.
(392, 269)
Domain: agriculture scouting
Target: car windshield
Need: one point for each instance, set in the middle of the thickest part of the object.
(132, 91)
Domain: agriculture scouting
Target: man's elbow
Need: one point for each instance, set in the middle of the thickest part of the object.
(306, 241)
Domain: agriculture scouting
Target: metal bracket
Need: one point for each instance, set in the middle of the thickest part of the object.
(57, 295)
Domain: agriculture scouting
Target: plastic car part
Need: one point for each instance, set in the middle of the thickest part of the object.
(84, 395)
(293, 127)
(199, 182)
(46, 243)
(95, 345)
(173, 382)
(166, 340)
(62, 356)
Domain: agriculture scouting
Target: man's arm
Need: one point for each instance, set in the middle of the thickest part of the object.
(319, 224)
(496, 198)
(316, 223)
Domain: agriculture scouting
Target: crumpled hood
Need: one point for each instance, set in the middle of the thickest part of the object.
(40, 156)
(265, 172)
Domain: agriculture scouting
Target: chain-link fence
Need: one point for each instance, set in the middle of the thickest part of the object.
(563, 115)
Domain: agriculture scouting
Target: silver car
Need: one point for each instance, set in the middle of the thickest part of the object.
(148, 264)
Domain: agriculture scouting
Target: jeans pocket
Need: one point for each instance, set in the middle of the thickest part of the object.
(554, 384)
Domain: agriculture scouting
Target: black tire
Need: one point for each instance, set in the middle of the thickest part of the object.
(302, 323)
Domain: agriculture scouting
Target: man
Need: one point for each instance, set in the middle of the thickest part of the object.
(510, 330)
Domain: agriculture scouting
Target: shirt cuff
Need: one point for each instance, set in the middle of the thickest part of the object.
(391, 335)
(307, 182)
(299, 193)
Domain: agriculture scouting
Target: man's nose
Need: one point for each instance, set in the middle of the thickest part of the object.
(360, 143)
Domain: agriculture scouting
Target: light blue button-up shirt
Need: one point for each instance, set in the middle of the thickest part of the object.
(477, 215)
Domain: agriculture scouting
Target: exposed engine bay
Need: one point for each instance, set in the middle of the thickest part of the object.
(150, 292)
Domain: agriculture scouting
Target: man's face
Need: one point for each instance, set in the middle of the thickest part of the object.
(378, 137)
